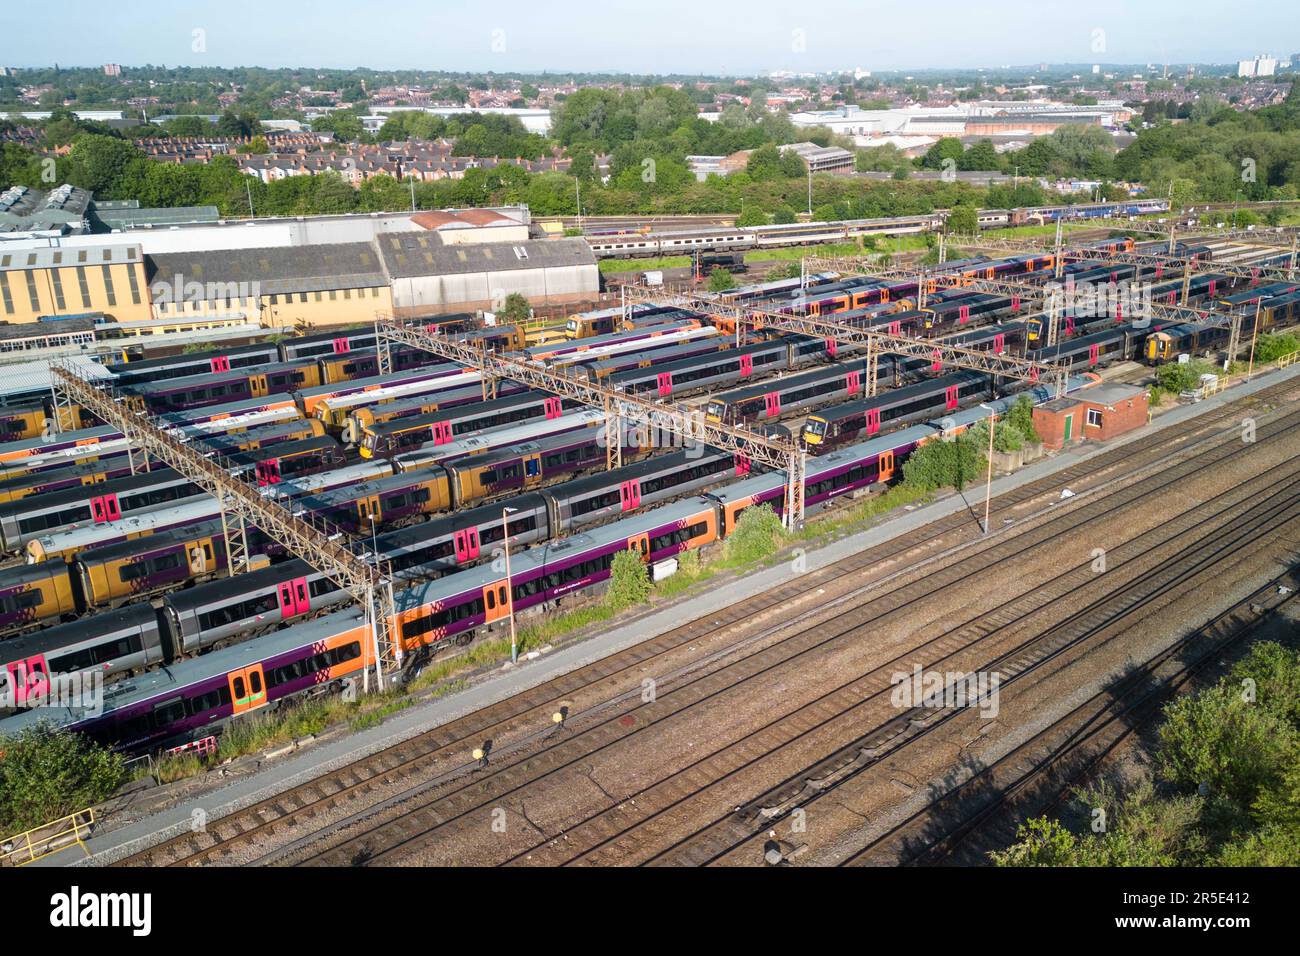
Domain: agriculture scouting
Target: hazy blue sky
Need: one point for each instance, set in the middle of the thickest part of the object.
(713, 36)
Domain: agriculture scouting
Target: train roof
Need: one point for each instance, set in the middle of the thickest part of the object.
(821, 464)
(926, 387)
(183, 382)
(283, 449)
(571, 346)
(16, 574)
(99, 433)
(186, 417)
(540, 555)
(538, 446)
(351, 473)
(489, 438)
(418, 374)
(167, 680)
(186, 358)
(821, 374)
(666, 355)
(64, 496)
(165, 538)
(251, 582)
(639, 469)
(84, 535)
(445, 524)
(426, 385)
(526, 397)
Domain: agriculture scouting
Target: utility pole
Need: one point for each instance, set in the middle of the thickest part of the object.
(988, 484)
(248, 187)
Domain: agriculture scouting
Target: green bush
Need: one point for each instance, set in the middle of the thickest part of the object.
(758, 534)
(720, 280)
(1274, 345)
(629, 581)
(46, 774)
(1183, 376)
(944, 464)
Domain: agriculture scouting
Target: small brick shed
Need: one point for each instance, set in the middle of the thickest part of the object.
(1099, 413)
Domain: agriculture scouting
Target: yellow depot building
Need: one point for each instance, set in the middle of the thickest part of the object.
(53, 281)
(276, 287)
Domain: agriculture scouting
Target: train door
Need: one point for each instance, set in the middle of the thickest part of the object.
(742, 463)
(950, 398)
(1015, 303)
(832, 348)
(257, 386)
(772, 404)
(665, 380)
(28, 679)
(937, 364)
(220, 364)
(853, 382)
(532, 467)
(1069, 325)
(441, 433)
(896, 327)
(873, 421)
(247, 688)
(105, 508)
(963, 314)
(294, 598)
(885, 465)
(496, 604)
(554, 408)
(199, 557)
(1094, 353)
(268, 472)
(746, 366)
(641, 545)
(999, 343)
(467, 544)
(342, 344)
(629, 495)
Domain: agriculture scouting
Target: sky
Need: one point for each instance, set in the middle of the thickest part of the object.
(731, 37)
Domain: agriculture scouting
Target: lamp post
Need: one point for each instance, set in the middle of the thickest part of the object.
(510, 591)
(988, 484)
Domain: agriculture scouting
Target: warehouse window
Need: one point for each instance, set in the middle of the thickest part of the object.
(108, 285)
(84, 286)
(1094, 417)
(8, 297)
(32, 294)
(57, 279)
(135, 286)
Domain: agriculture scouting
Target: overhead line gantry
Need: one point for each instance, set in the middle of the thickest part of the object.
(242, 506)
(690, 425)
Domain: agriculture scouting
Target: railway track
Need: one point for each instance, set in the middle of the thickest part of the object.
(625, 832)
(1040, 772)
(470, 800)
(532, 708)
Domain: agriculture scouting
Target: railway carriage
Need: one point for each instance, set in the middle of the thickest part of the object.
(215, 388)
(371, 416)
(100, 503)
(1094, 350)
(776, 399)
(529, 465)
(444, 426)
(865, 418)
(285, 460)
(226, 359)
(358, 509)
(31, 595)
(63, 545)
(111, 574)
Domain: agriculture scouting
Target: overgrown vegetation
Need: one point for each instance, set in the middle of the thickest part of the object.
(1226, 789)
(1273, 345)
(758, 534)
(45, 775)
(944, 464)
(629, 581)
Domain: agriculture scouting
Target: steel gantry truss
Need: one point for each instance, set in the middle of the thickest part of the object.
(1048, 296)
(619, 407)
(875, 341)
(242, 507)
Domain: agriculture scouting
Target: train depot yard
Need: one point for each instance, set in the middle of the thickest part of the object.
(851, 472)
(357, 526)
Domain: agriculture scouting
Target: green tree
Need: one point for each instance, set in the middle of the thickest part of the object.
(964, 219)
(629, 582)
(514, 310)
(46, 774)
(720, 280)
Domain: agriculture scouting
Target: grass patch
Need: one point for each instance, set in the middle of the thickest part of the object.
(644, 265)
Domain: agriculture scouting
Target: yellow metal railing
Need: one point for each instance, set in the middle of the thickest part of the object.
(39, 842)
(1289, 359)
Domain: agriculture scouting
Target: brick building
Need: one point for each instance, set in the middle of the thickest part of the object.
(1100, 413)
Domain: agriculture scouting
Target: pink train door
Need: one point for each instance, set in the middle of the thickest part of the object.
(1069, 325)
(896, 327)
(630, 494)
(294, 598)
(1015, 303)
(832, 347)
(999, 343)
(665, 384)
(105, 508)
(950, 398)
(937, 364)
(441, 432)
(772, 404)
(1094, 353)
(342, 344)
(853, 382)
(268, 472)
(220, 364)
(742, 464)
(467, 545)
(873, 421)
(554, 408)
(30, 679)
(746, 366)
(963, 314)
